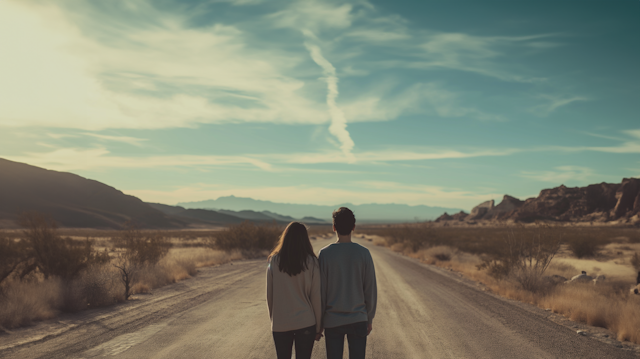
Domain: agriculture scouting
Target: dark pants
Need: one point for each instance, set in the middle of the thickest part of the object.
(303, 338)
(356, 336)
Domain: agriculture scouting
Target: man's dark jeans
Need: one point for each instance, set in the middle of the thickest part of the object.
(303, 338)
(356, 336)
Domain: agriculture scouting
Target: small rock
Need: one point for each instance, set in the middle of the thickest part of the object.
(581, 332)
(548, 309)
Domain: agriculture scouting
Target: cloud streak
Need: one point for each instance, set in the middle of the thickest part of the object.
(70, 159)
(338, 126)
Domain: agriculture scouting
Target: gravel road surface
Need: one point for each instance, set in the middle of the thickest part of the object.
(423, 312)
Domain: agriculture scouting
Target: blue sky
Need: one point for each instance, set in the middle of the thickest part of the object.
(442, 103)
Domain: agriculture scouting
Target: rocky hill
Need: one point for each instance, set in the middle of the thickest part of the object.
(603, 202)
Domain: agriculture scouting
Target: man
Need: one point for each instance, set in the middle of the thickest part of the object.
(348, 287)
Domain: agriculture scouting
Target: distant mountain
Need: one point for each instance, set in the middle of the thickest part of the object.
(223, 217)
(71, 200)
(364, 213)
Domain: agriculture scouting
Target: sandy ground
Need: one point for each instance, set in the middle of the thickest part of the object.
(423, 312)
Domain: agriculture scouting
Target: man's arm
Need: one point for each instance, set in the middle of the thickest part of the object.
(370, 289)
(316, 300)
(323, 287)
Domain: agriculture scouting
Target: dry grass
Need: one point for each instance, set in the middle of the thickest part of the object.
(608, 305)
(23, 303)
(37, 298)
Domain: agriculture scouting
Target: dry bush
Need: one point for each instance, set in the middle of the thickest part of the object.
(141, 251)
(142, 247)
(100, 286)
(525, 256)
(12, 255)
(247, 236)
(21, 303)
(51, 254)
(435, 254)
(586, 247)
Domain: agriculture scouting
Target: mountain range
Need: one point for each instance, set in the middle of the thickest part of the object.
(365, 213)
(78, 202)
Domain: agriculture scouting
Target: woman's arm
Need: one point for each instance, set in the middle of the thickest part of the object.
(270, 289)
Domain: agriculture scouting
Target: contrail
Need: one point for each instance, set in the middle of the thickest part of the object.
(338, 126)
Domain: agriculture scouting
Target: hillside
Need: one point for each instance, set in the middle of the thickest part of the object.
(72, 200)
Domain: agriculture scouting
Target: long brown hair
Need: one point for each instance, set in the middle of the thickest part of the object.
(293, 249)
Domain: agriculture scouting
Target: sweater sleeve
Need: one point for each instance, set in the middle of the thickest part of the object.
(370, 288)
(316, 301)
(270, 289)
(323, 288)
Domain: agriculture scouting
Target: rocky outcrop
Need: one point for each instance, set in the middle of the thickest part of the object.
(628, 196)
(460, 216)
(508, 205)
(601, 202)
(445, 217)
(479, 211)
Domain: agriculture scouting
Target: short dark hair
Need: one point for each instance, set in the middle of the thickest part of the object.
(343, 220)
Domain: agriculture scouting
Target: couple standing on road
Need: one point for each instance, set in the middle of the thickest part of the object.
(334, 292)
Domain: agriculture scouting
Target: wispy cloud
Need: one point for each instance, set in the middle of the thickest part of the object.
(554, 102)
(562, 174)
(338, 126)
(393, 155)
(134, 141)
(631, 144)
(180, 77)
(70, 159)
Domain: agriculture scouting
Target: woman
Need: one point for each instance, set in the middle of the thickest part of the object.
(293, 293)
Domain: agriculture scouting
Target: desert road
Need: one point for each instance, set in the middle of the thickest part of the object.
(423, 312)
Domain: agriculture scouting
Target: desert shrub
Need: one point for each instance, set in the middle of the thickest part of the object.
(525, 256)
(585, 247)
(21, 303)
(442, 257)
(12, 255)
(139, 251)
(247, 236)
(51, 254)
(142, 247)
(100, 286)
(496, 268)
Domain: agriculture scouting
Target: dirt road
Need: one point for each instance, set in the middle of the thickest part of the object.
(423, 312)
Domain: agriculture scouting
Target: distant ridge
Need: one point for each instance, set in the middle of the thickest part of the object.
(223, 217)
(72, 200)
(364, 212)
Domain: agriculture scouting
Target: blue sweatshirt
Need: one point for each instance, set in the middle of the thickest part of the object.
(348, 284)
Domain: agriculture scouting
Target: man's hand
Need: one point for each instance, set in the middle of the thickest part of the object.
(318, 336)
(369, 328)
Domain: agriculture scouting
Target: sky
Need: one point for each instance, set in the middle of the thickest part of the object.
(441, 103)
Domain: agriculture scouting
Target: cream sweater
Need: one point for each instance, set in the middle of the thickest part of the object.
(294, 302)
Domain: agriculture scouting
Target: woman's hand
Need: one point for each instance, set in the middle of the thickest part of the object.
(318, 336)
